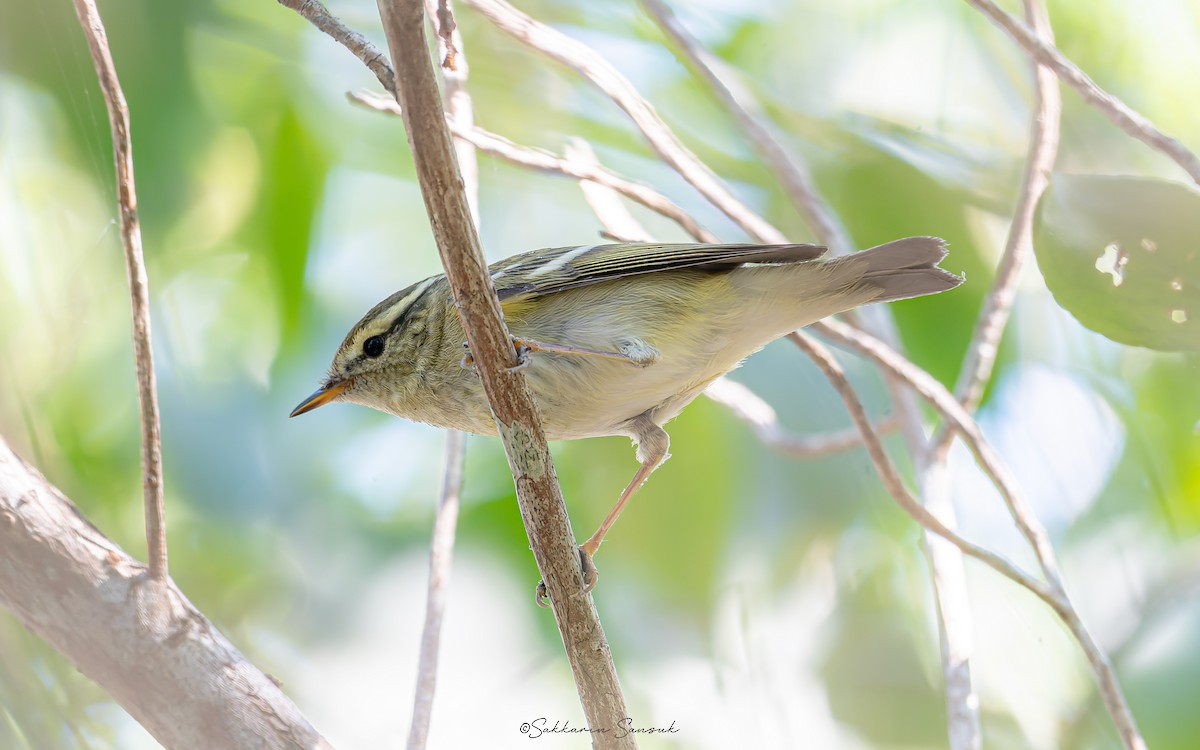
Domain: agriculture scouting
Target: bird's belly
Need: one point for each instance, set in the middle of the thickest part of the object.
(588, 397)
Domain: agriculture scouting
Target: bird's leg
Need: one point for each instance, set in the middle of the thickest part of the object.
(541, 346)
(652, 442)
(638, 352)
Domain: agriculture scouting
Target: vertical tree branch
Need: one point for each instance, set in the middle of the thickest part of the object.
(441, 553)
(1055, 593)
(441, 546)
(1039, 163)
(516, 413)
(139, 286)
(947, 573)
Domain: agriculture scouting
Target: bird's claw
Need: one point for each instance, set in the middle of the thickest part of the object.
(590, 576)
(522, 349)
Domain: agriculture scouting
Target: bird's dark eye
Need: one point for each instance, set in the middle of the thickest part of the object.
(373, 346)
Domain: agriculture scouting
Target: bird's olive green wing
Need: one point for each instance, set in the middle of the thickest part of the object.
(543, 272)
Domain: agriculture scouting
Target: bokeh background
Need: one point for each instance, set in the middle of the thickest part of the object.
(750, 599)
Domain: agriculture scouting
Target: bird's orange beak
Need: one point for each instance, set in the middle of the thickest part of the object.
(322, 396)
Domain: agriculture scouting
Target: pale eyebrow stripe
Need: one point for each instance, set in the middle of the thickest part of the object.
(401, 309)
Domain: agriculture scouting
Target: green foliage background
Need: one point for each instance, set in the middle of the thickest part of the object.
(754, 600)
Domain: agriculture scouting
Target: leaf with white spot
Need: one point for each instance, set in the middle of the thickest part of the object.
(1122, 255)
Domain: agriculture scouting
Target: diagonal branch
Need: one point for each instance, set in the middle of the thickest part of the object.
(1039, 162)
(139, 638)
(547, 161)
(1125, 118)
(516, 413)
(317, 14)
(891, 475)
(954, 414)
(139, 286)
(749, 407)
(946, 566)
(572, 53)
(792, 174)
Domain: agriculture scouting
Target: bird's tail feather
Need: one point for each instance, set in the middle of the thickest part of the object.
(907, 268)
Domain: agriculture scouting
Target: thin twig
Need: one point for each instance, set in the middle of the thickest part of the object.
(139, 287)
(954, 415)
(749, 407)
(547, 161)
(891, 476)
(460, 111)
(951, 410)
(946, 565)
(588, 62)
(441, 546)
(318, 15)
(605, 202)
(516, 413)
(792, 174)
(1125, 118)
(1039, 162)
(985, 341)
(441, 554)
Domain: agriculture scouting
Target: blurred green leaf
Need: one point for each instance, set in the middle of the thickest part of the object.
(1121, 255)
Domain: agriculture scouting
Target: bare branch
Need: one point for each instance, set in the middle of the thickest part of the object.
(460, 112)
(605, 202)
(891, 476)
(546, 161)
(588, 62)
(749, 407)
(1125, 118)
(951, 410)
(138, 637)
(792, 173)
(1039, 163)
(946, 566)
(139, 287)
(441, 554)
(516, 413)
(954, 414)
(318, 15)
(441, 546)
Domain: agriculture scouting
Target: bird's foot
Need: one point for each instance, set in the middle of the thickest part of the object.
(523, 350)
(590, 576)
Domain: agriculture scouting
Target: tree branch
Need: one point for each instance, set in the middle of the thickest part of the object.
(317, 14)
(946, 565)
(792, 174)
(1125, 118)
(891, 476)
(749, 407)
(516, 413)
(546, 161)
(143, 642)
(441, 554)
(599, 71)
(1039, 163)
(1054, 594)
(139, 286)
(441, 545)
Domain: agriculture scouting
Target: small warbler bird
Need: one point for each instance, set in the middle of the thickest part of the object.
(615, 339)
